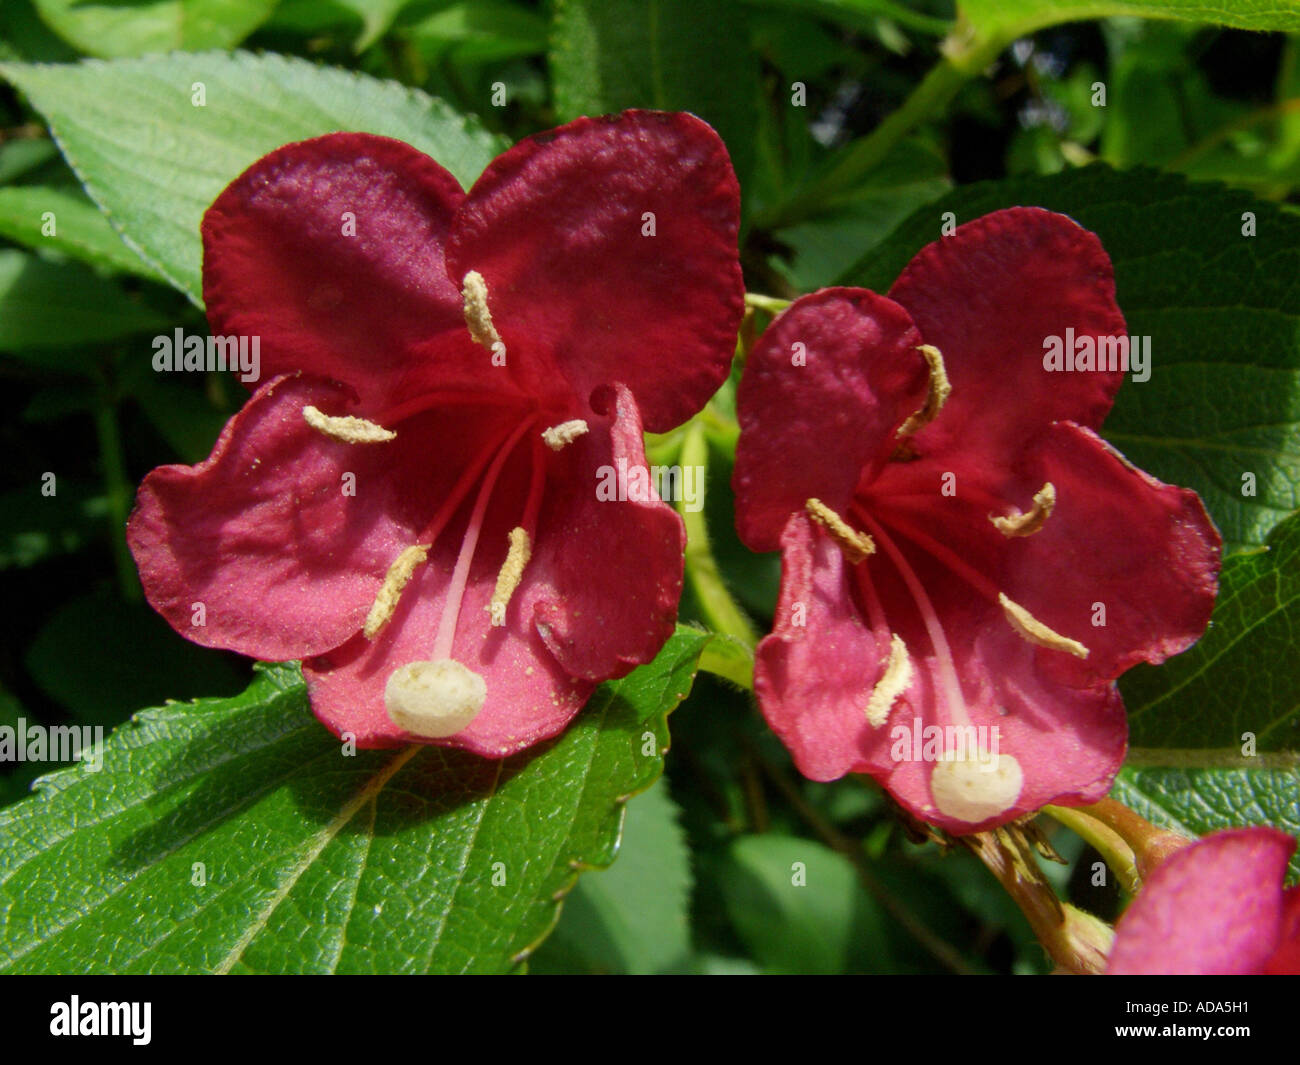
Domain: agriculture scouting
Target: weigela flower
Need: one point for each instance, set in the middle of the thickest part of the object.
(409, 503)
(966, 565)
(1215, 907)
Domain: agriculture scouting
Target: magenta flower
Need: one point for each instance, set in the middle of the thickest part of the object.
(1216, 907)
(966, 565)
(409, 503)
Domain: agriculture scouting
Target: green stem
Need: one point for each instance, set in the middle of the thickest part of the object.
(771, 304)
(728, 658)
(118, 490)
(720, 610)
(1117, 854)
(965, 54)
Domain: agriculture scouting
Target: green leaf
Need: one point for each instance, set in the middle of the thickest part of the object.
(115, 28)
(673, 55)
(481, 31)
(46, 307)
(34, 527)
(88, 658)
(1222, 311)
(1236, 680)
(376, 18)
(799, 908)
(1197, 801)
(861, 15)
(237, 835)
(28, 212)
(1020, 17)
(631, 918)
(19, 157)
(153, 161)
(828, 245)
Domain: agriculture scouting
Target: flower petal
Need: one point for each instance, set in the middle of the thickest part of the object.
(530, 696)
(608, 574)
(1285, 961)
(813, 417)
(1118, 541)
(331, 251)
(814, 683)
(555, 226)
(814, 673)
(1212, 908)
(263, 534)
(987, 297)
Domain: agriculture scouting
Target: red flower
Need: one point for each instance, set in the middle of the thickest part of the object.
(1215, 907)
(449, 374)
(1020, 564)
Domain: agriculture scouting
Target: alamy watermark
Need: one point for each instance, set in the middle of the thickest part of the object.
(642, 484)
(949, 743)
(53, 743)
(1076, 354)
(194, 354)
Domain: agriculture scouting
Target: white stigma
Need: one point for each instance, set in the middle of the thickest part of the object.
(973, 789)
(434, 699)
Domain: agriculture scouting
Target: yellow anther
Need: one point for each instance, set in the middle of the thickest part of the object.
(896, 678)
(477, 316)
(940, 390)
(557, 436)
(855, 545)
(511, 574)
(1018, 524)
(399, 573)
(348, 429)
(1035, 631)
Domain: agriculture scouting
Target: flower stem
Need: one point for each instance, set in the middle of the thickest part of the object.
(1150, 845)
(771, 304)
(1117, 854)
(1076, 941)
(965, 54)
(720, 610)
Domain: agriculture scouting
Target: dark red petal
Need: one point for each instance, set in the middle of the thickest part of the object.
(814, 674)
(608, 572)
(1286, 959)
(987, 297)
(262, 532)
(278, 263)
(530, 696)
(1145, 551)
(813, 417)
(555, 227)
(1212, 908)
